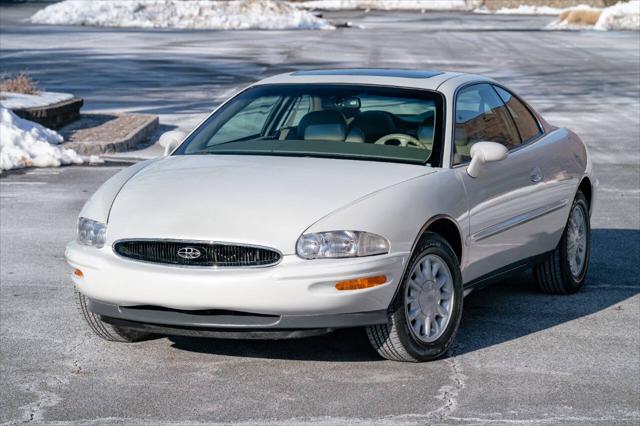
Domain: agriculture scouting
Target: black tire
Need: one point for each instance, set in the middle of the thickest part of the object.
(554, 275)
(107, 331)
(395, 340)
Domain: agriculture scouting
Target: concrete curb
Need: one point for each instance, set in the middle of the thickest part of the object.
(131, 141)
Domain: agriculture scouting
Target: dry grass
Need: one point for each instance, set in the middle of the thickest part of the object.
(580, 17)
(21, 83)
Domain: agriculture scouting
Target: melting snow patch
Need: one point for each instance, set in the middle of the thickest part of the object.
(13, 100)
(194, 14)
(24, 143)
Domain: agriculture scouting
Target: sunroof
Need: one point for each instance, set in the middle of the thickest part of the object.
(373, 72)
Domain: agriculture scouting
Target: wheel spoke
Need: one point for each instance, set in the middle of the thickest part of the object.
(413, 314)
(427, 325)
(414, 285)
(427, 269)
(435, 326)
(435, 269)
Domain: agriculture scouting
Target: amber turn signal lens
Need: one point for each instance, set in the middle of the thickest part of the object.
(360, 283)
(78, 273)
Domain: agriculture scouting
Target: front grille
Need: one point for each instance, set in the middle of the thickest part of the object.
(193, 253)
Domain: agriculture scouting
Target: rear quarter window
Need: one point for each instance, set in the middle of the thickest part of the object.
(525, 121)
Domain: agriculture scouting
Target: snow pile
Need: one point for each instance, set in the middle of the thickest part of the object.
(529, 10)
(205, 14)
(621, 16)
(389, 4)
(13, 100)
(24, 143)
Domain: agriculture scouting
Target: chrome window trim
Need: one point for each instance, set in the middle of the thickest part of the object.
(211, 242)
(523, 144)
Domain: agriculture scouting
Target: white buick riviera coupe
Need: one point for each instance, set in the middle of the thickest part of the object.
(317, 200)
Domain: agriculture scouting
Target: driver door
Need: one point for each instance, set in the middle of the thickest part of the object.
(504, 191)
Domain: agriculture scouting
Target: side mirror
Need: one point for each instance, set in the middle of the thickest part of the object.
(170, 140)
(485, 152)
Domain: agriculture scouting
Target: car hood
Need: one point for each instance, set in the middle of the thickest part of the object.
(261, 200)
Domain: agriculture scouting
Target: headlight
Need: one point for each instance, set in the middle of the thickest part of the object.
(336, 244)
(91, 233)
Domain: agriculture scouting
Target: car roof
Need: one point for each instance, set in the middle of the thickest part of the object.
(419, 79)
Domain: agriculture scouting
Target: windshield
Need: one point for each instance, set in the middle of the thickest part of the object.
(337, 121)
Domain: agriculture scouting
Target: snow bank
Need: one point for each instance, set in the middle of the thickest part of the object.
(621, 16)
(529, 10)
(24, 143)
(205, 14)
(13, 100)
(389, 4)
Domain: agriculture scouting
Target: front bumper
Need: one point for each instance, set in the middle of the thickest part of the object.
(229, 324)
(295, 287)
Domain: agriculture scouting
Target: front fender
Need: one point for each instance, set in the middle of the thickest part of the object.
(99, 204)
(399, 212)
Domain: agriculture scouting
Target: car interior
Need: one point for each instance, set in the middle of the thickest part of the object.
(335, 121)
(347, 120)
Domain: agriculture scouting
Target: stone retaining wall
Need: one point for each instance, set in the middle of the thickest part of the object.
(53, 116)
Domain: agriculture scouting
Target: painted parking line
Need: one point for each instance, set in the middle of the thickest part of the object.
(44, 172)
(21, 182)
(620, 191)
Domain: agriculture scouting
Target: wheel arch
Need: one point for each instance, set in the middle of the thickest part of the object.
(446, 227)
(587, 189)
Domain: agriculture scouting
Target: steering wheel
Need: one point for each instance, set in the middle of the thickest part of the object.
(405, 140)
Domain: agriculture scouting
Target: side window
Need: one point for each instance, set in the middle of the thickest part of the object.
(247, 122)
(481, 116)
(525, 121)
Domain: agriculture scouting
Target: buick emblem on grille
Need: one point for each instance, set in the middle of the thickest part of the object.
(189, 253)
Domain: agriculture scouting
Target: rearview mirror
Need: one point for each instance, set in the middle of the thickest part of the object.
(485, 152)
(170, 140)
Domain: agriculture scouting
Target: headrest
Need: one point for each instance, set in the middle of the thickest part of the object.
(355, 135)
(320, 117)
(334, 132)
(374, 124)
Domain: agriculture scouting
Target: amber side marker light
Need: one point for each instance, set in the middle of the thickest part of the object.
(361, 283)
(78, 273)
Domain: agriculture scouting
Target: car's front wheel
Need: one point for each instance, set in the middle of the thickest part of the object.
(565, 270)
(427, 308)
(107, 331)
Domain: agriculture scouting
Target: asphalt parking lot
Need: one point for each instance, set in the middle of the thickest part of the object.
(520, 357)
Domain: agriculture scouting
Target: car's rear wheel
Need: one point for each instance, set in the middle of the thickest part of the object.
(427, 308)
(107, 331)
(565, 270)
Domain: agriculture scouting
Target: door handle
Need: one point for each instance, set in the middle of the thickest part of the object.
(536, 175)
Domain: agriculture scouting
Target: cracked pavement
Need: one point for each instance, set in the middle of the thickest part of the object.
(521, 357)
